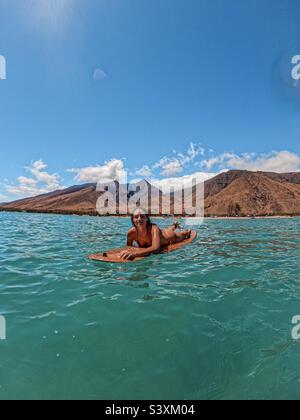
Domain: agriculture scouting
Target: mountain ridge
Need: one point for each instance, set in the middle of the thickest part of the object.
(235, 193)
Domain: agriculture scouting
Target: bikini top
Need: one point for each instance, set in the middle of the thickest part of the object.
(137, 235)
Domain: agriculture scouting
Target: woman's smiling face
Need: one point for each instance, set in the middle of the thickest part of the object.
(140, 219)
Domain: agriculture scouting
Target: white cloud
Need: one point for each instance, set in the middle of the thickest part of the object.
(51, 181)
(41, 182)
(26, 181)
(209, 164)
(275, 162)
(112, 170)
(145, 171)
(3, 198)
(279, 162)
(194, 151)
(173, 165)
(169, 166)
(177, 182)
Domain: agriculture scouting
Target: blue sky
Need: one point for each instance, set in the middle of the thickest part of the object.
(171, 87)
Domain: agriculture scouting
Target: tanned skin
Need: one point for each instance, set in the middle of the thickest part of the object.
(150, 238)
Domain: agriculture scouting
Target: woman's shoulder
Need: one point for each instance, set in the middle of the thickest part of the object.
(132, 231)
(154, 227)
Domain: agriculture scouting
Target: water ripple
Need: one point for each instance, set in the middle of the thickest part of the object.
(210, 321)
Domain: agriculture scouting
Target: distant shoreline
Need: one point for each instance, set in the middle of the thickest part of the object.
(234, 195)
(94, 214)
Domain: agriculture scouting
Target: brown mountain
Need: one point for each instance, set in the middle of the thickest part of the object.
(243, 193)
(80, 200)
(233, 193)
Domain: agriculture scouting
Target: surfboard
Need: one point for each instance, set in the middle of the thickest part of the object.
(113, 255)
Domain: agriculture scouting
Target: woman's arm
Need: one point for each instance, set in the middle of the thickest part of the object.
(131, 237)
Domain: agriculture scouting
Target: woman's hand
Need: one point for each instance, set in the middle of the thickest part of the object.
(177, 225)
(128, 255)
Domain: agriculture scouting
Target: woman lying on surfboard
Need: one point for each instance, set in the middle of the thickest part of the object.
(149, 237)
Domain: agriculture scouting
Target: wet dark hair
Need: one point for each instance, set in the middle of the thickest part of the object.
(149, 223)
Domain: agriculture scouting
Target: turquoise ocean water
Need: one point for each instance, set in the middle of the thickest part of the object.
(211, 321)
